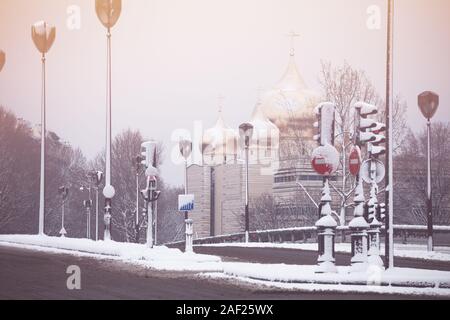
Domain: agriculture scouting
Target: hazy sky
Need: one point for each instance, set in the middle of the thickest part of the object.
(173, 58)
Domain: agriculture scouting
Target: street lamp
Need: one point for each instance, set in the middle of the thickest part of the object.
(64, 193)
(87, 205)
(108, 12)
(389, 180)
(186, 151)
(97, 178)
(43, 36)
(246, 133)
(2, 59)
(428, 103)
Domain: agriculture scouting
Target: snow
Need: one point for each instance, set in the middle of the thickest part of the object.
(358, 222)
(327, 288)
(161, 258)
(307, 274)
(326, 221)
(295, 277)
(40, 28)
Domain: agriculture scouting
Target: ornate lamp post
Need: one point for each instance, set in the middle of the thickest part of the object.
(108, 12)
(246, 133)
(428, 104)
(2, 59)
(43, 36)
(186, 151)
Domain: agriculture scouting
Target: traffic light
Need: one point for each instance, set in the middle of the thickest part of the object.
(148, 153)
(87, 204)
(381, 212)
(325, 113)
(375, 149)
(363, 124)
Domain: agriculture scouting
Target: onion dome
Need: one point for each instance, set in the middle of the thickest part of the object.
(290, 99)
(219, 143)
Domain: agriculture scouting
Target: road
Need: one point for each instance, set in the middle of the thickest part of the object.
(302, 257)
(26, 274)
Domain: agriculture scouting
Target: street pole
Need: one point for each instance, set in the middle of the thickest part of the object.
(389, 235)
(43, 36)
(429, 190)
(43, 131)
(428, 103)
(108, 12)
(96, 214)
(185, 147)
(246, 134)
(62, 221)
(247, 216)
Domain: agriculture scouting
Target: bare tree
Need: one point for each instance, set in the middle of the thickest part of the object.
(411, 176)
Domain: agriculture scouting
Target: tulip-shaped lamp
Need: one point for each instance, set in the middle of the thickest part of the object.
(43, 36)
(108, 12)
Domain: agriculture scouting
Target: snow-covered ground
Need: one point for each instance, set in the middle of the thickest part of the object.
(333, 288)
(400, 250)
(161, 258)
(295, 277)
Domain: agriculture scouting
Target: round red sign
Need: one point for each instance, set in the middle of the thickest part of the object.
(355, 160)
(325, 160)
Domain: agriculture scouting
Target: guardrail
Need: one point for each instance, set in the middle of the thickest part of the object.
(404, 233)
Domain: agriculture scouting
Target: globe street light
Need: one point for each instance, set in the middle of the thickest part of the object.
(2, 59)
(428, 103)
(108, 12)
(186, 151)
(246, 133)
(43, 36)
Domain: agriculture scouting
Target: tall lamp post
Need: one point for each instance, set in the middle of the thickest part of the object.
(43, 36)
(389, 181)
(186, 151)
(108, 12)
(2, 59)
(246, 133)
(428, 104)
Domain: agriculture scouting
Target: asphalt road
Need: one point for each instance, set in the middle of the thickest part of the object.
(294, 256)
(26, 274)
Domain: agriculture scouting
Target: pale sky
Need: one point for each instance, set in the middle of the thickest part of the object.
(173, 58)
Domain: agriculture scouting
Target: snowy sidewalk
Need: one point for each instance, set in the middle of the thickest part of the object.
(161, 258)
(295, 277)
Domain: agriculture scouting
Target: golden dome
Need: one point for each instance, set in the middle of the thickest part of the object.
(290, 99)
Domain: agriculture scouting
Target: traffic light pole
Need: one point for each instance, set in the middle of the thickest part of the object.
(359, 225)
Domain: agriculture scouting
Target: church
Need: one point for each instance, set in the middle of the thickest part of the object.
(279, 161)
